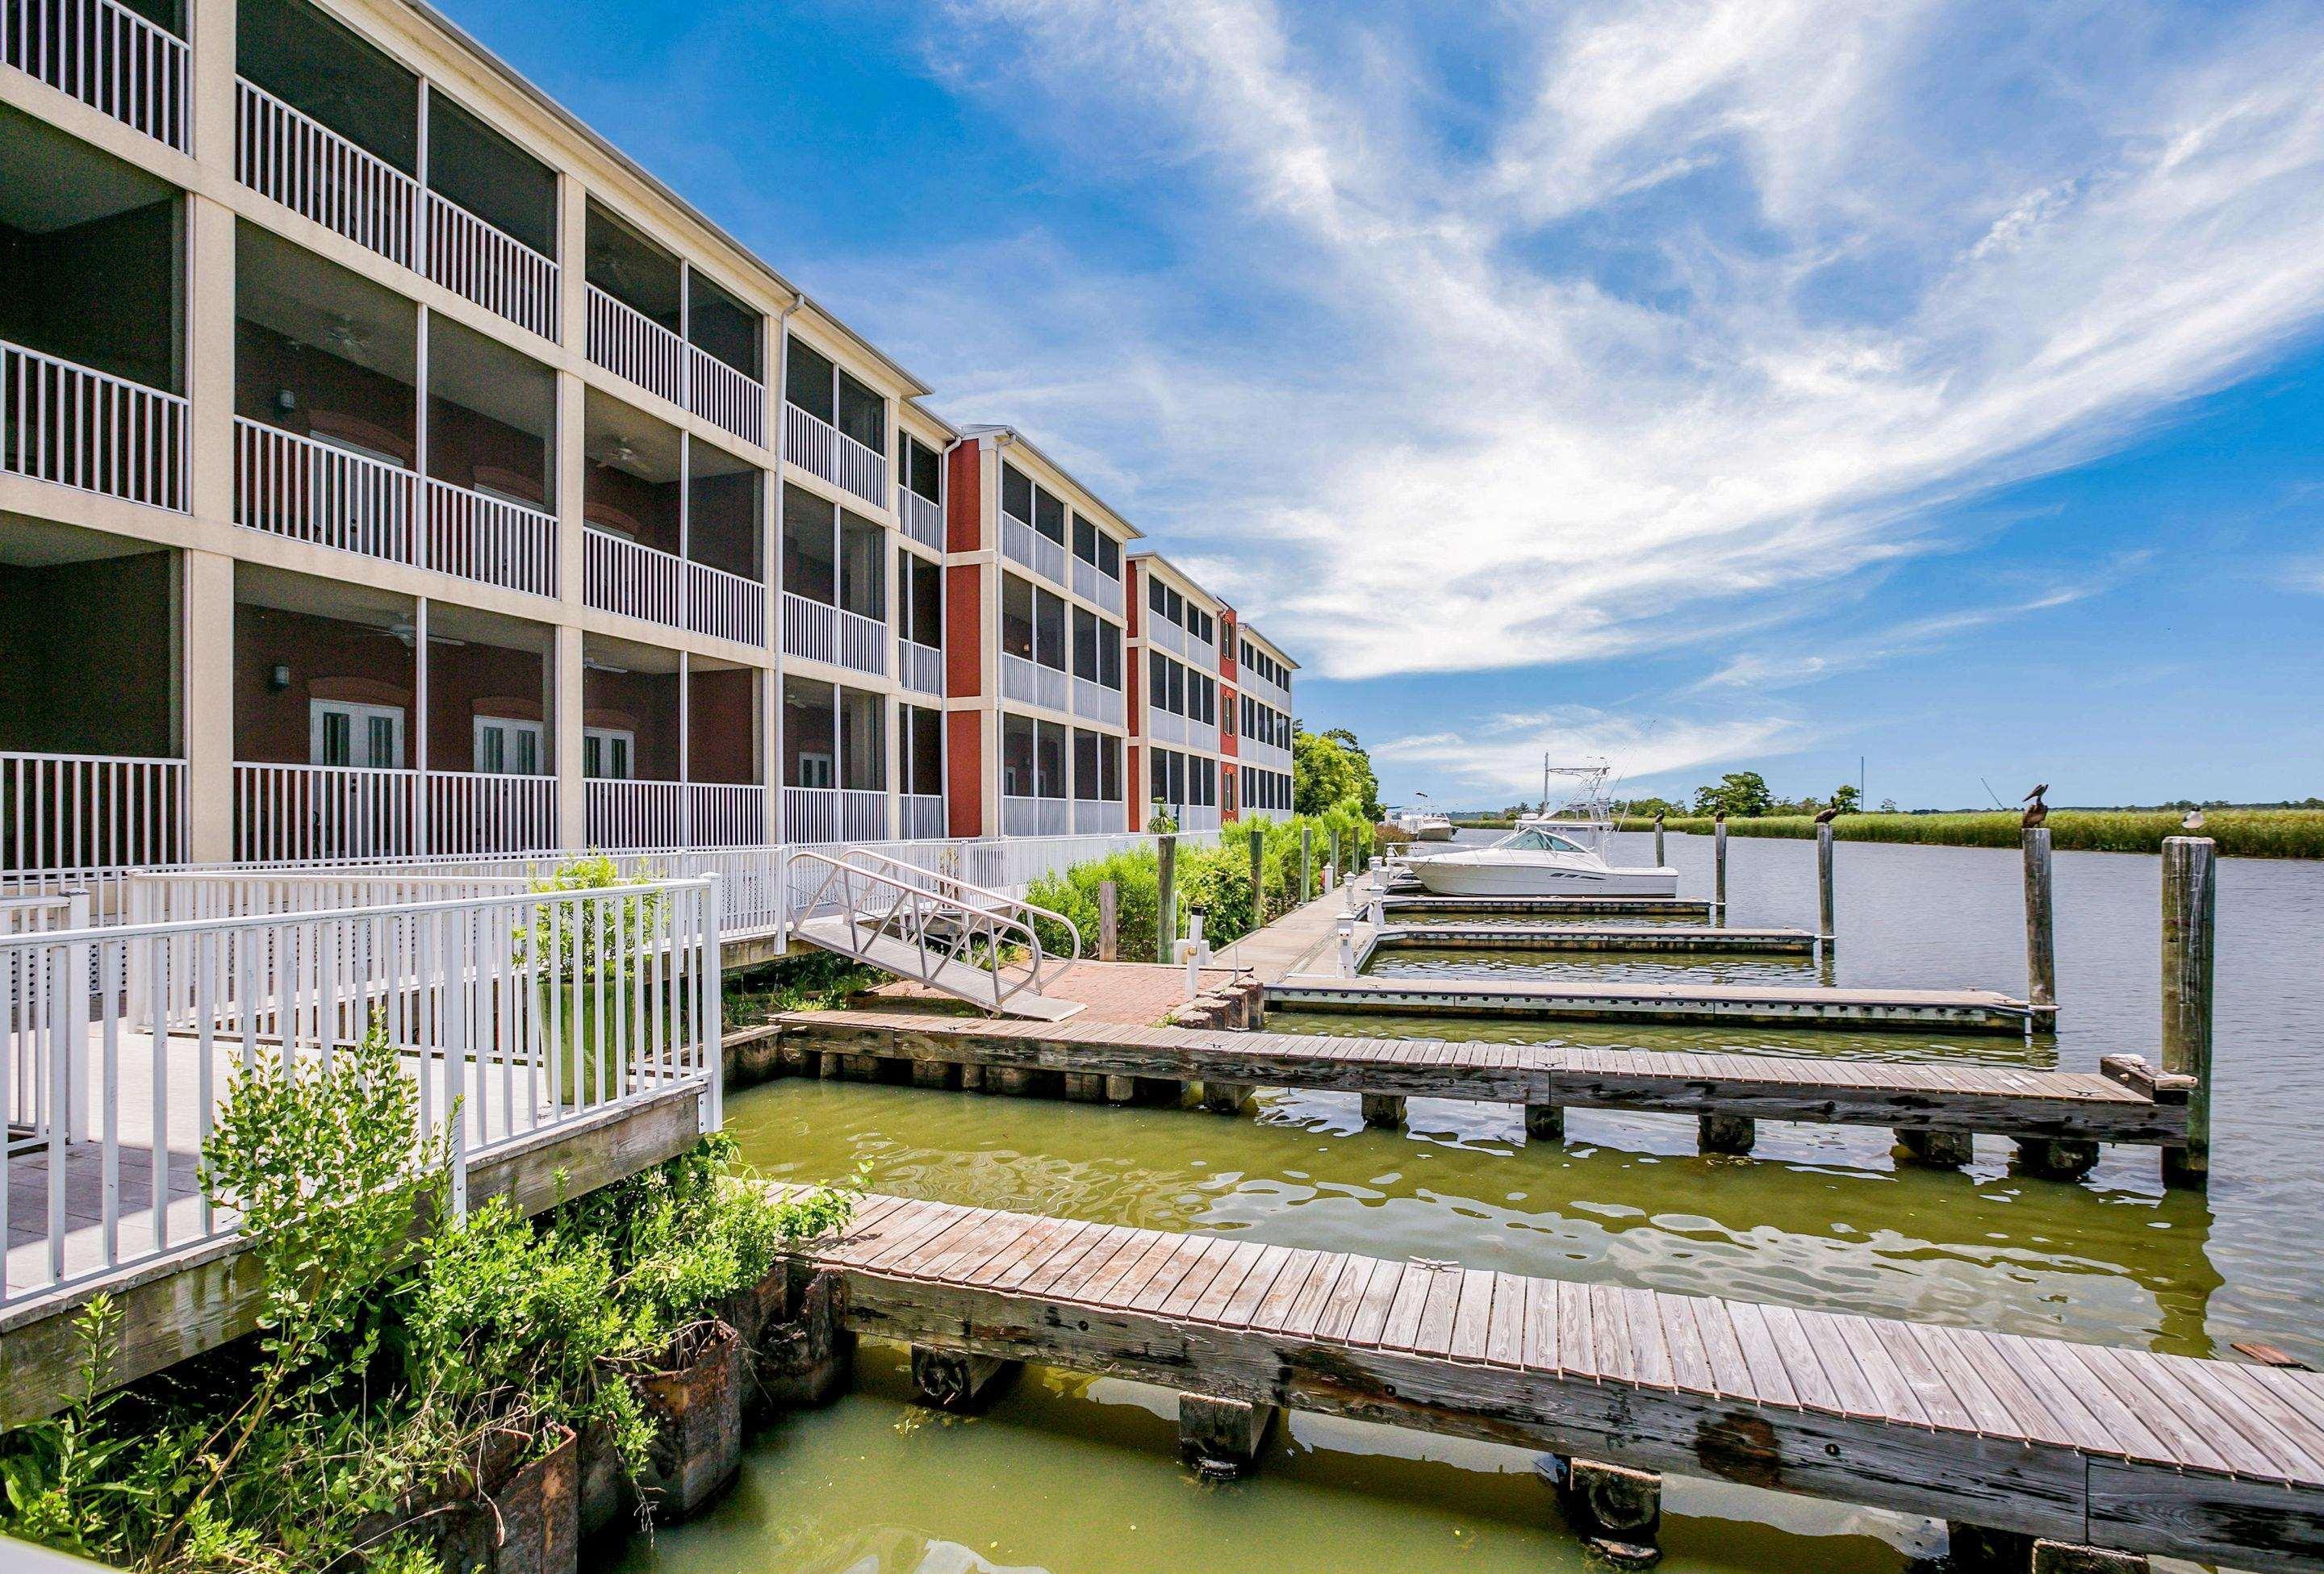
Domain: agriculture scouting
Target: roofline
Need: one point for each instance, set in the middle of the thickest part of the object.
(1145, 554)
(1017, 438)
(581, 128)
(1241, 627)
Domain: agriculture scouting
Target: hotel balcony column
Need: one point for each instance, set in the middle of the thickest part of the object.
(207, 578)
(772, 334)
(571, 465)
(207, 721)
(210, 32)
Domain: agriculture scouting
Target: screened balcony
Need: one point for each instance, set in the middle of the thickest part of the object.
(671, 527)
(1097, 565)
(833, 425)
(919, 774)
(127, 58)
(91, 363)
(921, 499)
(920, 624)
(671, 747)
(1033, 526)
(1033, 655)
(329, 126)
(657, 322)
(834, 748)
(835, 584)
(1036, 799)
(1097, 668)
(1098, 806)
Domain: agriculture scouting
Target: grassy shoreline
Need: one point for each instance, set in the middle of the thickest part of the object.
(2240, 833)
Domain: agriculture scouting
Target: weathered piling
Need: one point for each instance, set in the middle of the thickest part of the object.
(1165, 896)
(1825, 933)
(2041, 951)
(1256, 842)
(1306, 861)
(1719, 870)
(1332, 851)
(1109, 920)
(2189, 912)
(1660, 862)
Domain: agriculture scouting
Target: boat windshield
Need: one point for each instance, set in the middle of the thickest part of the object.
(1534, 839)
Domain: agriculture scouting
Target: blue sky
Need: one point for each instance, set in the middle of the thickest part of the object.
(1702, 383)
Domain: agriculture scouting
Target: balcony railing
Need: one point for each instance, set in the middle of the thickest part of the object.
(1022, 816)
(490, 267)
(835, 814)
(923, 816)
(77, 820)
(1092, 585)
(1264, 690)
(1202, 735)
(675, 814)
(106, 56)
(1097, 816)
(306, 813)
(1162, 632)
(1034, 550)
(1195, 817)
(1165, 726)
(817, 630)
(726, 814)
(820, 448)
(1094, 702)
(490, 540)
(920, 668)
(478, 812)
(1034, 684)
(638, 581)
(923, 519)
(1201, 655)
(628, 343)
(726, 398)
(78, 427)
(725, 605)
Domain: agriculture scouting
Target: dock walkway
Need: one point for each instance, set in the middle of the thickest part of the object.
(2121, 1448)
(1651, 939)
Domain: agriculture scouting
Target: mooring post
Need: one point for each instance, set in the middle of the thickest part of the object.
(1719, 870)
(1109, 920)
(1347, 945)
(1306, 862)
(1619, 1511)
(1824, 933)
(1258, 874)
(2189, 912)
(1332, 851)
(1221, 1437)
(2041, 952)
(1165, 896)
(1660, 862)
(1193, 953)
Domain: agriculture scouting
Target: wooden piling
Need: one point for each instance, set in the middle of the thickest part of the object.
(1660, 860)
(1165, 896)
(1728, 1134)
(1331, 850)
(1258, 841)
(1718, 870)
(1109, 920)
(956, 1379)
(1824, 927)
(1383, 1109)
(1306, 861)
(2041, 952)
(1221, 1437)
(1545, 1123)
(1617, 1510)
(2189, 912)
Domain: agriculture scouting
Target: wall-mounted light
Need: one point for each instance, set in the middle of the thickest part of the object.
(285, 400)
(277, 679)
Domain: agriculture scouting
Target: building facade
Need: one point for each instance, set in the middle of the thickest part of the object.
(389, 466)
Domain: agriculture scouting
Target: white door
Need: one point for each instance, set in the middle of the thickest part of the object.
(342, 733)
(507, 746)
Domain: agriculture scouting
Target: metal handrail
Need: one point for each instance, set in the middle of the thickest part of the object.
(992, 919)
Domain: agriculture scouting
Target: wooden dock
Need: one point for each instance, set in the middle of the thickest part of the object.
(1410, 905)
(2057, 1118)
(2120, 1450)
(1758, 1005)
(1643, 938)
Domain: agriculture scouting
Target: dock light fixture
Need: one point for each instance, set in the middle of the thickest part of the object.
(1347, 927)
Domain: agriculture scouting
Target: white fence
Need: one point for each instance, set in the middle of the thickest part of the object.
(509, 1011)
(726, 397)
(300, 813)
(106, 56)
(1094, 702)
(1034, 550)
(1034, 684)
(484, 264)
(817, 630)
(724, 605)
(923, 816)
(671, 815)
(490, 540)
(314, 171)
(923, 518)
(289, 485)
(71, 821)
(822, 814)
(74, 426)
(490, 811)
(620, 576)
(820, 448)
(919, 667)
(628, 343)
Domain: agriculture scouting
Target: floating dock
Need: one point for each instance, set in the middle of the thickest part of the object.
(1758, 1005)
(1395, 905)
(2058, 1117)
(1676, 939)
(2118, 1450)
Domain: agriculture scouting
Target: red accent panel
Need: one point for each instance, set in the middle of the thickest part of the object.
(964, 772)
(1133, 790)
(1229, 646)
(1229, 724)
(1133, 596)
(964, 499)
(964, 631)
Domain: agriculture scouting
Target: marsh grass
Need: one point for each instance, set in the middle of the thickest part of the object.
(2240, 833)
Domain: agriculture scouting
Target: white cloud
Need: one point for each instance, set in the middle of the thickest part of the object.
(1700, 321)
(1502, 755)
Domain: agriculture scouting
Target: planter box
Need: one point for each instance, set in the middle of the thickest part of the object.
(570, 1012)
(695, 1403)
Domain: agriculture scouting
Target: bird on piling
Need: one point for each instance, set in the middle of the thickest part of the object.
(2036, 811)
(1827, 814)
(1719, 817)
(2193, 822)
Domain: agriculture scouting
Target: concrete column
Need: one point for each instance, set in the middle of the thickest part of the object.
(565, 741)
(570, 468)
(207, 613)
(210, 31)
(209, 353)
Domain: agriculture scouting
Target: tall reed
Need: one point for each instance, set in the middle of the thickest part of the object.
(2240, 833)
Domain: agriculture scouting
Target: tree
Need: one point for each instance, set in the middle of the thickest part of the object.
(1888, 805)
(1329, 768)
(1741, 793)
(1646, 808)
(1845, 797)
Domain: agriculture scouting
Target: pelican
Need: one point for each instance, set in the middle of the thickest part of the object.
(2036, 811)
(1827, 814)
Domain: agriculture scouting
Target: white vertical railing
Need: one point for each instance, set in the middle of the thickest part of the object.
(78, 427)
(482, 263)
(810, 629)
(513, 1014)
(726, 815)
(1034, 684)
(923, 519)
(725, 605)
(292, 813)
(628, 343)
(862, 642)
(490, 540)
(1093, 585)
(289, 485)
(1094, 702)
(106, 56)
(923, 815)
(919, 667)
(1165, 726)
(72, 821)
(621, 575)
(1162, 632)
(1096, 816)
(314, 171)
(726, 397)
(820, 814)
(1034, 550)
(820, 448)
(1023, 816)
(477, 812)
(636, 813)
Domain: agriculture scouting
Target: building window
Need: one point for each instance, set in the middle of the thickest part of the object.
(342, 733)
(815, 770)
(506, 746)
(607, 752)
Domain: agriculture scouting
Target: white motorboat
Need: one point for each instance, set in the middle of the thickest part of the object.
(1425, 825)
(1532, 861)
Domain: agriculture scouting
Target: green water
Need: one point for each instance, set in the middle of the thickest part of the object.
(1069, 1475)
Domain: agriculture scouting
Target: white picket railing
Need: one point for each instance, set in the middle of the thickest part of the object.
(628, 343)
(1093, 585)
(820, 448)
(725, 814)
(482, 263)
(810, 629)
(1201, 655)
(923, 816)
(74, 426)
(727, 398)
(820, 814)
(919, 667)
(1033, 683)
(1096, 816)
(637, 581)
(106, 56)
(724, 605)
(1165, 726)
(924, 520)
(490, 811)
(289, 485)
(635, 814)
(298, 814)
(83, 821)
(1023, 816)
(1036, 551)
(1094, 702)
(504, 1018)
(1160, 630)
(490, 540)
(311, 169)
(863, 643)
